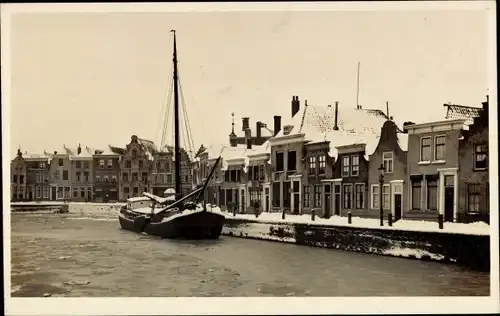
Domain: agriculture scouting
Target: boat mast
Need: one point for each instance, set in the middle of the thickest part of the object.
(176, 125)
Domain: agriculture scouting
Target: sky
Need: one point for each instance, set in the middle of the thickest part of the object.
(98, 78)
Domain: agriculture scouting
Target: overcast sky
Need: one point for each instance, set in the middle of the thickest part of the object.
(98, 78)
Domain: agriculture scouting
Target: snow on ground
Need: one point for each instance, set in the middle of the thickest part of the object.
(408, 252)
(257, 231)
(476, 228)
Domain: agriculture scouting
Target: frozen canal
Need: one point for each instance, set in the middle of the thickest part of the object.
(87, 254)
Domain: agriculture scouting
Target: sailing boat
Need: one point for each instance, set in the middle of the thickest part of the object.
(186, 217)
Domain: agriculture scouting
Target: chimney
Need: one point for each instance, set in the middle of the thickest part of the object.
(79, 149)
(258, 130)
(295, 105)
(277, 124)
(248, 138)
(405, 124)
(19, 153)
(336, 127)
(55, 152)
(329, 105)
(245, 123)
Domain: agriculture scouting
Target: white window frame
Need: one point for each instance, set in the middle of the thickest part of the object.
(375, 189)
(435, 148)
(98, 178)
(421, 147)
(344, 159)
(101, 164)
(313, 161)
(38, 193)
(363, 189)
(388, 194)
(38, 178)
(352, 165)
(351, 200)
(45, 192)
(283, 164)
(389, 161)
(110, 163)
(475, 156)
(106, 178)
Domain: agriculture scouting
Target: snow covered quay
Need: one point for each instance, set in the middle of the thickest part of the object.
(465, 244)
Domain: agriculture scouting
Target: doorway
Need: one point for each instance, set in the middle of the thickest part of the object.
(267, 199)
(449, 198)
(397, 207)
(328, 206)
(54, 193)
(336, 210)
(296, 197)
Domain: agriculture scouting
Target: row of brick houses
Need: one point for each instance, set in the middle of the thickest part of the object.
(87, 174)
(329, 159)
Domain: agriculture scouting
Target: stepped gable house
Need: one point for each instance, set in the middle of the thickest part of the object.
(320, 159)
(105, 175)
(474, 189)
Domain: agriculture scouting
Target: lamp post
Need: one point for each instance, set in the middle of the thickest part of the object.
(381, 182)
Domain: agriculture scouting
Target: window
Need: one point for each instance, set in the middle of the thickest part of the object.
(125, 177)
(56, 175)
(312, 165)
(78, 164)
(425, 149)
(128, 164)
(386, 195)
(101, 164)
(45, 177)
(82, 192)
(86, 164)
(78, 176)
(134, 154)
(37, 192)
(110, 163)
(388, 161)
(45, 192)
(261, 171)
(347, 195)
(106, 178)
(42, 165)
(38, 178)
(98, 178)
(75, 192)
(375, 196)
(14, 178)
(292, 161)
(126, 189)
(256, 172)
(145, 177)
(61, 162)
(279, 162)
(238, 175)
(135, 176)
(440, 147)
(416, 189)
(276, 194)
(307, 192)
(473, 198)
(355, 165)
(60, 192)
(345, 166)
(21, 179)
(113, 178)
(86, 176)
(432, 195)
(359, 198)
(480, 156)
(136, 190)
(169, 178)
(167, 166)
(141, 164)
(317, 196)
(322, 165)
(65, 174)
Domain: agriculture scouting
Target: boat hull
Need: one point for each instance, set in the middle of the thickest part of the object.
(199, 225)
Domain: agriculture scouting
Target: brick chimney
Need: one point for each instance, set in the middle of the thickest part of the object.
(295, 105)
(19, 153)
(336, 126)
(277, 124)
(245, 123)
(248, 138)
(258, 129)
(79, 150)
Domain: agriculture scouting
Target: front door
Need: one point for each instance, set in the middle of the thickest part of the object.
(267, 200)
(54, 193)
(327, 203)
(286, 194)
(296, 203)
(337, 200)
(30, 196)
(397, 207)
(448, 204)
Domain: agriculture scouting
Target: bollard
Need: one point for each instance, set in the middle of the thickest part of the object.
(283, 214)
(349, 218)
(389, 219)
(440, 221)
(256, 213)
(313, 214)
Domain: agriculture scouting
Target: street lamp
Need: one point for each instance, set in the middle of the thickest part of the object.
(381, 182)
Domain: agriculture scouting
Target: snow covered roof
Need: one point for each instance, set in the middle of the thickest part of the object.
(85, 154)
(262, 149)
(108, 151)
(455, 111)
(355, 126)
(36, 157)
(149, 147)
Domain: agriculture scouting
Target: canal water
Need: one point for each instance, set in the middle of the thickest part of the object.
(86, 253)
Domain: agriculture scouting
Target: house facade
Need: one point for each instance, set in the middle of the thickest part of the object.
(433, 170)
(391, 153)
(38, 174)
(258, 179)
(162, 173)
(18, 177)
(60, 175)
(81, 173)
(135, 167)
(474, 189)
(105, 176)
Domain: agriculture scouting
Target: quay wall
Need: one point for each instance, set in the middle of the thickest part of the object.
(468, 250)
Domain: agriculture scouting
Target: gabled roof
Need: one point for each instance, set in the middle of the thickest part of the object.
(35, 157)
(355, 126)
(455, 111)
(108, 151)
(85, 154)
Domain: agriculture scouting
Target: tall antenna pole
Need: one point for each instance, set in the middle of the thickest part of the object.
(357, 88)
(387, 108)
(176, 125)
